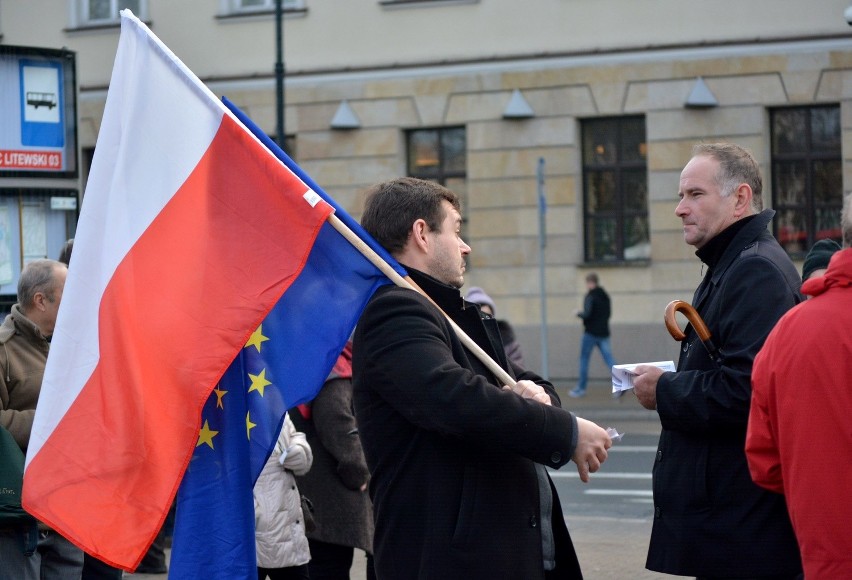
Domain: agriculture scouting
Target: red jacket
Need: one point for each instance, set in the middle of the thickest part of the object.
(799, 439)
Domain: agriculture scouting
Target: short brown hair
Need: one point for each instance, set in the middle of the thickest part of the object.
(393, 206)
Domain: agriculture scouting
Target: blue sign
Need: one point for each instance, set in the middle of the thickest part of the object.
(42, 104)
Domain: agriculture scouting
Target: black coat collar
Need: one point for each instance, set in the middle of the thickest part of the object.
(744, 236)
(467, 316)
(444, 295)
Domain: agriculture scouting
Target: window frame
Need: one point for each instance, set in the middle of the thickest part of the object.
(392, 4)
(809, 158)
(82, 19)
(442, 175)
(235, 8)
(620, 211)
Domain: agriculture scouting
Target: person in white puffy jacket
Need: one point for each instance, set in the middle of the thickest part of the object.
(282, 548)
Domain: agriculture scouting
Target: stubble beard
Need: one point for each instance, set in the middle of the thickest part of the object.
(458, 282)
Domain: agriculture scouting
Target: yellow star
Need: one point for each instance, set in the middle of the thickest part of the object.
(206, 435)
(256, 338)
(219, 394)
(249, 424)
(258, 382)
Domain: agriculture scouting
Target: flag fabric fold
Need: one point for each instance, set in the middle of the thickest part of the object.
(284, 363)
(341, 214)
(190, 232)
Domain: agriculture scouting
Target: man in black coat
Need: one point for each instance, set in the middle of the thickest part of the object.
(459, 484)
(595, 314)
(710, 519)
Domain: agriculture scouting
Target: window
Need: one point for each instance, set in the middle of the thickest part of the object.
(34, 224)
(395, 3)
(95, 12)
(440, 155)
(615, 190)
(807, 177)
(249, 6)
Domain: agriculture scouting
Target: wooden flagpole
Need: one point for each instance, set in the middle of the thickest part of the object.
(407, 282)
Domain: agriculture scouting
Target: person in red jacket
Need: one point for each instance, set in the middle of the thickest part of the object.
(798, 441)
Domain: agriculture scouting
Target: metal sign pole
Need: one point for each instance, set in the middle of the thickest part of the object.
(542, 242)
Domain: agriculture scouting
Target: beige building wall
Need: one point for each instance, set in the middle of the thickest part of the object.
(456, 64)
(334, 36)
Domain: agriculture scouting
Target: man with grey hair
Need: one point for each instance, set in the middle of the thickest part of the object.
(799, 408)
(24, 345)
(710, 519)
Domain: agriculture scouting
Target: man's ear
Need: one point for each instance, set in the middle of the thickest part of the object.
(419, 229)
(743, 195)
(39, 299)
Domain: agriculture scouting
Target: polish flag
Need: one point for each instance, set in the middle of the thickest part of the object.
(190, 232)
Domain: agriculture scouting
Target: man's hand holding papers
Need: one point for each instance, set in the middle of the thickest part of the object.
(622, 375)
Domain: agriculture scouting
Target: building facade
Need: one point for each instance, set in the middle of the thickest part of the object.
(595, 105)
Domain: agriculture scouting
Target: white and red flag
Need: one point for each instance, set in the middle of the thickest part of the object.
(190, 232)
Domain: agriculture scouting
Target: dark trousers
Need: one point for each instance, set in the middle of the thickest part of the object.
(291, 573)
(154, 560)
(94, 569)
(55, 557)
(333, 561)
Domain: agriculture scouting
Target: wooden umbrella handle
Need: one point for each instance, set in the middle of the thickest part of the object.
(691, 315)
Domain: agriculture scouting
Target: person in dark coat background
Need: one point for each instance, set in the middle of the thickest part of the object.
(507, 334)
(457, 460)
(596, 311)
(336, 485)
(710, 519)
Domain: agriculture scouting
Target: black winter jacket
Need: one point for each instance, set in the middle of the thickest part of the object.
(596, 312)
(710, 518)
(452, 455)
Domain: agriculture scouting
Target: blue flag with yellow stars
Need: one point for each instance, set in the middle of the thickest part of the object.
(284, 363)
(214, 527)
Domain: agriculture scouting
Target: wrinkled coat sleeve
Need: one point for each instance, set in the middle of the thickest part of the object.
(18, 423)
(338, 432)
(588, 307)
(293, 440)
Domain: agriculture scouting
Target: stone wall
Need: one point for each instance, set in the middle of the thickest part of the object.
(503, 155)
